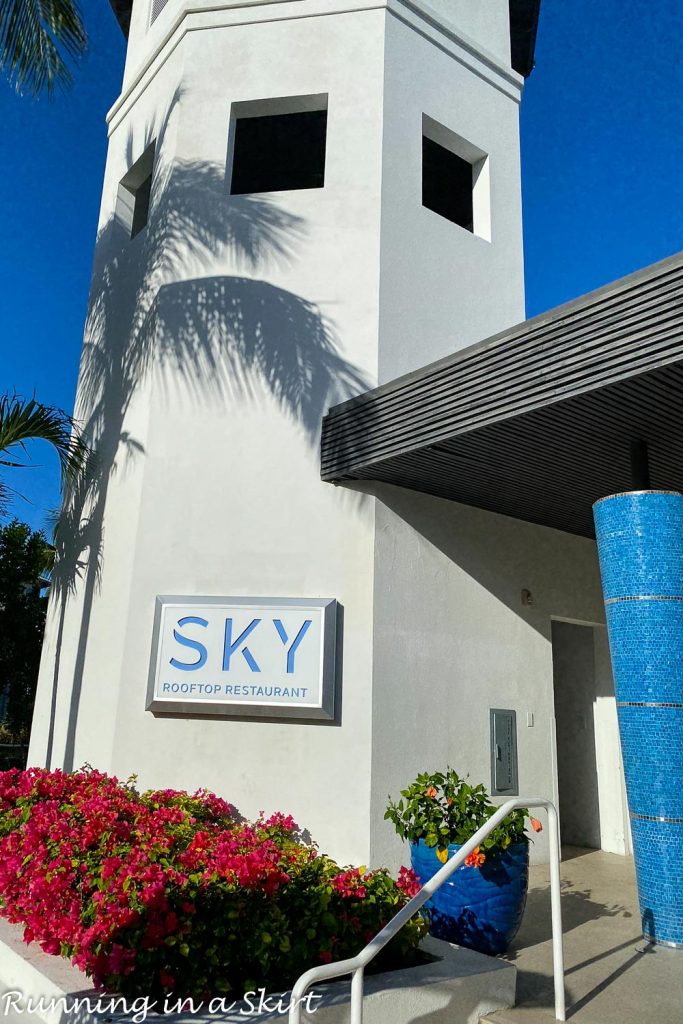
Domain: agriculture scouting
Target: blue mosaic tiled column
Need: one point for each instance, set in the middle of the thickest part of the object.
(640, 545)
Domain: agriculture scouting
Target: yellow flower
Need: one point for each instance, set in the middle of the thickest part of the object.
(442, 854)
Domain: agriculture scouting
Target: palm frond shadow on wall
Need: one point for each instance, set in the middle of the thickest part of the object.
(223, 336)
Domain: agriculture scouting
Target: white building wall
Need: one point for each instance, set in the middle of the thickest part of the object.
(592, 796)
(216, 340)
(615, 825)
(575, 696)
(453, 639)
(486, 24)
(227, 329)
(443, 287)
(75, 712)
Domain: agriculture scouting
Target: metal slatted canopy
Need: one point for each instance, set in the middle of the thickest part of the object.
(536, 422)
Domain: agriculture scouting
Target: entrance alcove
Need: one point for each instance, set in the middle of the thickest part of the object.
(591, 795)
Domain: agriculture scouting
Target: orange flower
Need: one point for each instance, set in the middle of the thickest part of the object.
(536, 825)
(475, 859)
(431, 791)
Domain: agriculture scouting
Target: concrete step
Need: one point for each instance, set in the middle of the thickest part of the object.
(455, 985)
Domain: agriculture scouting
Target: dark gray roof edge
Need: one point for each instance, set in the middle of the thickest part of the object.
(122, 9)
(557, 313)
(523, 28)
(524, 16)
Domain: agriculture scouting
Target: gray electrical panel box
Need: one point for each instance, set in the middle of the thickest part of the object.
(504, 781)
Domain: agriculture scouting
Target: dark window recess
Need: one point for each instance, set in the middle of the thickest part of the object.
(135, 192)
(141, 198)
(447, 184)
(279, 152)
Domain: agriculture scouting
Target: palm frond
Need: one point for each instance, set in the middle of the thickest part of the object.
(52, 517)
(23, 420)
(37, 38)
(10, 495)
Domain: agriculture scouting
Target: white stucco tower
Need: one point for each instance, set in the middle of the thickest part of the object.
(247, 276)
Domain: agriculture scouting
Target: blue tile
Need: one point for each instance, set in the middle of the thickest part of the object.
(640, 545)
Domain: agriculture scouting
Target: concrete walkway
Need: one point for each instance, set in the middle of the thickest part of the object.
(612, 975)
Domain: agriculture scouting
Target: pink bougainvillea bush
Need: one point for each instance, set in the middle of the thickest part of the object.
(161, 891)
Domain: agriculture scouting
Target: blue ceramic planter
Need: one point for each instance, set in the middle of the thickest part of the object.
(480, 908)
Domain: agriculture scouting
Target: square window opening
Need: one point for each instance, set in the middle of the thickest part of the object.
(447, 184)
(134, 195)
(455, 179)
(277, 146)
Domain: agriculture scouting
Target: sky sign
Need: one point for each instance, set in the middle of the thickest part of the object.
(273, 657)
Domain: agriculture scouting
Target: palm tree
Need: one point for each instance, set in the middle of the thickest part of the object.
(23, 420)
(37, 37)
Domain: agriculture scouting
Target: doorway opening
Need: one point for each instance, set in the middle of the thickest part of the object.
(591, 796)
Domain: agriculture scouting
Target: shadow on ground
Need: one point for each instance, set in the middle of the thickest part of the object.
(580, 907)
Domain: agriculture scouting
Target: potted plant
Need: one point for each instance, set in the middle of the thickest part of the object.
(481, 905)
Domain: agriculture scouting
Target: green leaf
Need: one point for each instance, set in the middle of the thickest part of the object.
(37, 39)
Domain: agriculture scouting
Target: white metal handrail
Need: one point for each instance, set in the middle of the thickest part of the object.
(355, 966)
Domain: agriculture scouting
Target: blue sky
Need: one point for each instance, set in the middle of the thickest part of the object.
(602, 159)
